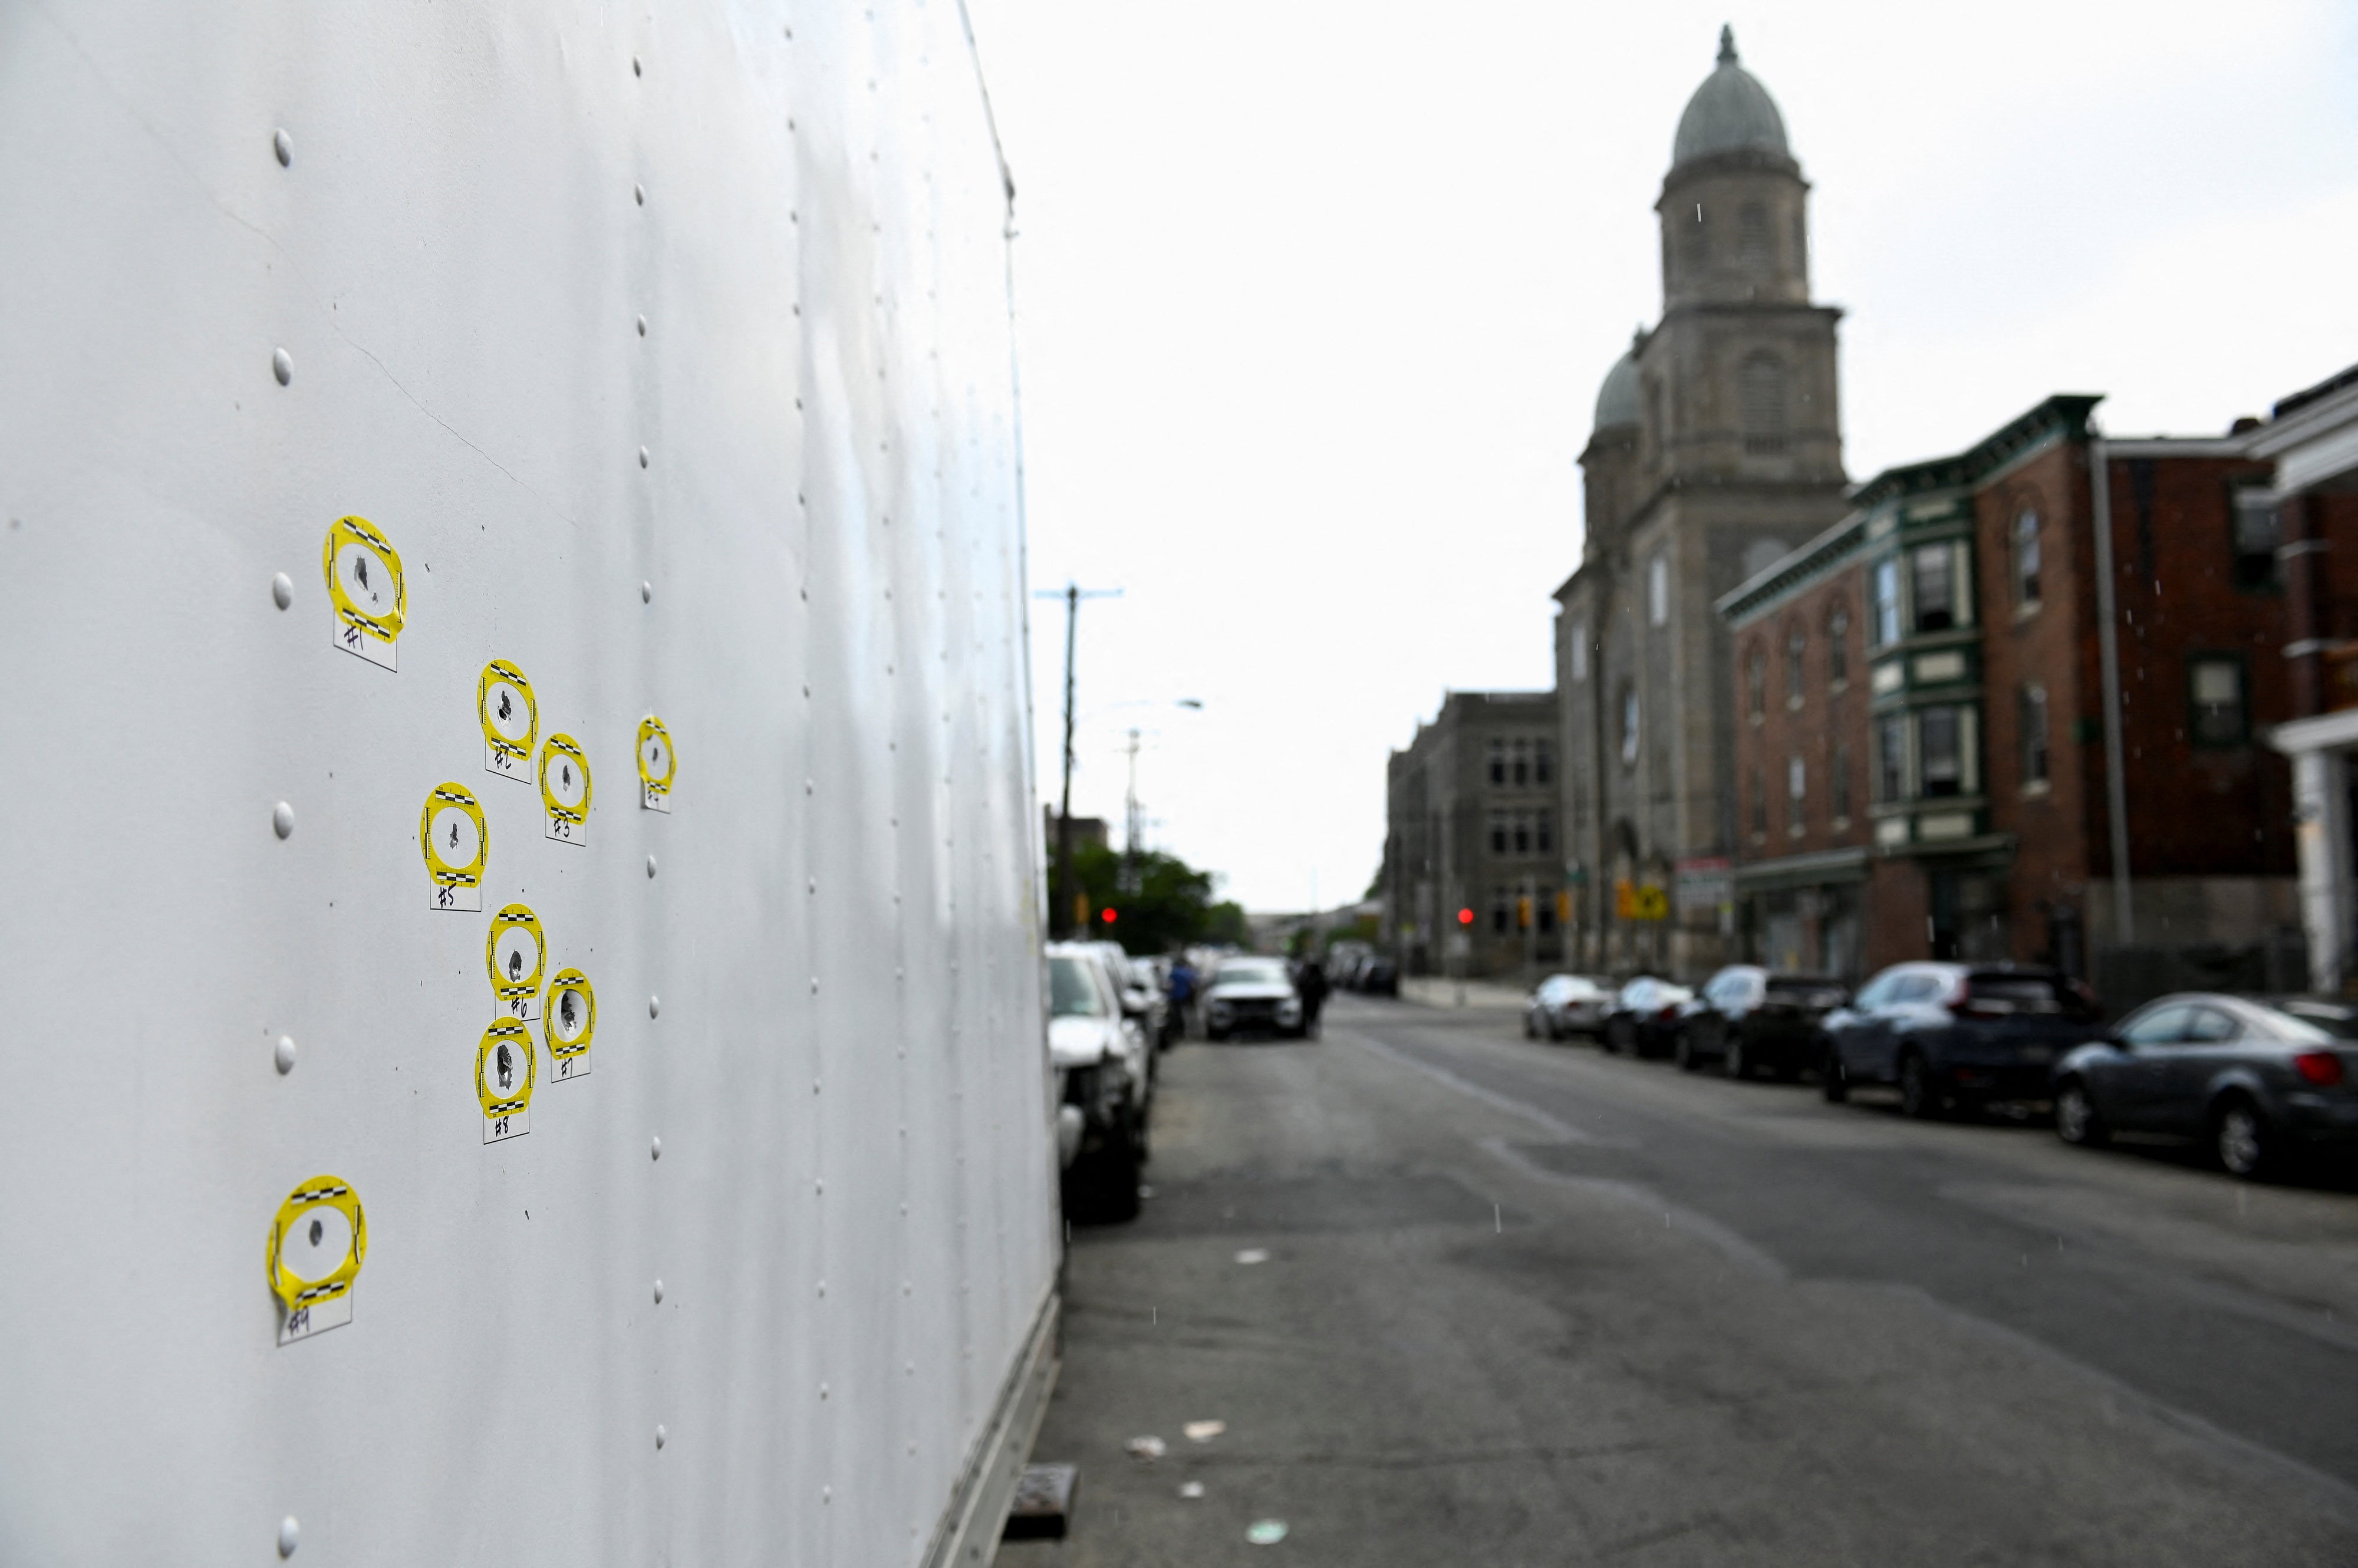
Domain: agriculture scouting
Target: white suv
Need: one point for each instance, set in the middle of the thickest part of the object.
(1102, 1062)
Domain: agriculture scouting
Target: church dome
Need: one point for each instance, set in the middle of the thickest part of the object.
(1617, 400)
(1730, 112)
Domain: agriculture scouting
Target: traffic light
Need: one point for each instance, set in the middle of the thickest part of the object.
(1108, 914)
(1464, 917)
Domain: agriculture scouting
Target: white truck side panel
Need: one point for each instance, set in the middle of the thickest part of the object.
(817, 977)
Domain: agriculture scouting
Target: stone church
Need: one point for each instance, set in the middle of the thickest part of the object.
(1717, 447)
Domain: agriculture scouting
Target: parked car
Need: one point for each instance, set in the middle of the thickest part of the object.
(1957, 1035)
(1566, 1004)
(1154, 974)
(1644, 1018)
(1749, 1019)
(1377, 977)
(1251, 996)
(1100, 1060)
(1141, 999)
(2259, 1080)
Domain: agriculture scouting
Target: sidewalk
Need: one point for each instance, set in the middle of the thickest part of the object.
(1429, 991)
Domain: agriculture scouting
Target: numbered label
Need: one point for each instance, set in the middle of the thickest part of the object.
(503, 1079)
(511, 720)
(658, 764)
(564, 789)
(456, 842)
(364, 590)
(318, 1240)
(514, 953)
(572, 1024)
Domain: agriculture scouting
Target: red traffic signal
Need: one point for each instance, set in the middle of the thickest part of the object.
(1107, 915)
(1464, 917)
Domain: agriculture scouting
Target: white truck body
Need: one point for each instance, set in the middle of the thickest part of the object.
(669, 353)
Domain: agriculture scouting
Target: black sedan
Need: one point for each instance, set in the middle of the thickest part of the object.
(1644, 1019)
(1956, 1036)
(2257, 1080)
(1749, 1019)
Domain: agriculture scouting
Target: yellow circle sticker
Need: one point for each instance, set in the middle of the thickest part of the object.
(456, 841)
(511, 720)
(318, 1240)
(657, 764)
(503, 1078)
(572, 1023)
(514, 952)
(364, 588)
(564, 789)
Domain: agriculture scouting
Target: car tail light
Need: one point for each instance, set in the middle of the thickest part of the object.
(1667, 1015)
(2322, 1068)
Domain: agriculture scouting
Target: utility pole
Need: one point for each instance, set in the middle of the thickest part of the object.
(1129, 826)
(1060, 913)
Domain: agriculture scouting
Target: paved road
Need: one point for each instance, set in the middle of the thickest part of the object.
(1526, 1304)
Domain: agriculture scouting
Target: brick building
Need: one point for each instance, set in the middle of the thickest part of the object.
(1472, 857)
(1933, 693)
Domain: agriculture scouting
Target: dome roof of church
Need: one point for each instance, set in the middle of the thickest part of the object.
(1730, 112)
(1617, 400)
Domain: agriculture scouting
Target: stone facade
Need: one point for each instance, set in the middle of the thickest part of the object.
(1717, 449)
(1472, 846)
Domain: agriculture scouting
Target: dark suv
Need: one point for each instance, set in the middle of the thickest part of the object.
(1958, 1035)
(1748, 1020)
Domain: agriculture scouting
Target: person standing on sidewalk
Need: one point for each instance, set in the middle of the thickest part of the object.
(1311, 983)
(1182, 994)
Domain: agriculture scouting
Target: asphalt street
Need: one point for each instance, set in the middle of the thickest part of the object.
(1458, 1297)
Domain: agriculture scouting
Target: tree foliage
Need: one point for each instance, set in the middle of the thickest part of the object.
(1172, 906)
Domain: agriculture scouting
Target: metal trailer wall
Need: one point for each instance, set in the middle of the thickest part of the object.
(782, 515)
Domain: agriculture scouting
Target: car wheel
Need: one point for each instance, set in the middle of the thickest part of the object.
(2241, 1137)
(1917, 1098)
(1101, 1188)
(1732, 1059)
(2076, 1122)
(1683, 1052)
(1834, 1083)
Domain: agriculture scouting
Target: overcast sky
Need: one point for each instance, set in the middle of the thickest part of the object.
(1313, 300)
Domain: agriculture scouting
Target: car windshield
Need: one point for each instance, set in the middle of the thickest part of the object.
(1071, 989)
(1252, 972)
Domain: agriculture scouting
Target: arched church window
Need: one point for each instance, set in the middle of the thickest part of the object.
(1760, 393)
(1752, 244)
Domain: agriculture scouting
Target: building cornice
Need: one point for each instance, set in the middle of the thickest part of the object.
(2063, 416)
(1735, 160)
(1752, 309)
(1702, 484)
